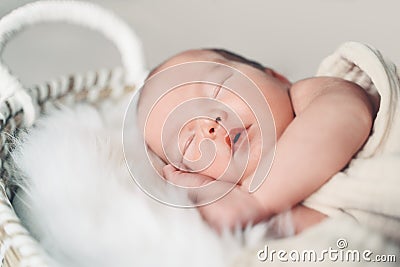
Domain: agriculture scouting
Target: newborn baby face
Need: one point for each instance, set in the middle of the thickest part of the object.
(227, 142)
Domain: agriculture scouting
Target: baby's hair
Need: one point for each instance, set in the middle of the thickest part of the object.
(235, 57)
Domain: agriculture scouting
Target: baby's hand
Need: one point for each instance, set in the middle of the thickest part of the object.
(236, 209)
(185, 179)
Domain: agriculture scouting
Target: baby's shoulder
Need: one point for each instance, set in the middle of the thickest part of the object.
(303, 92)
(311, 86)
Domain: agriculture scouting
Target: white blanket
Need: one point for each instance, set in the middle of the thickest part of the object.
(369, 189)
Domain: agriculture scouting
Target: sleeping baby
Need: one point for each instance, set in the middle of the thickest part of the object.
(320, 125)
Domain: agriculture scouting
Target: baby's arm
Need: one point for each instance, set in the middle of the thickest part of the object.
(333, 120)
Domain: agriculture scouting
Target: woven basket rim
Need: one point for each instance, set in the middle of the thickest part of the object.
(93, 87)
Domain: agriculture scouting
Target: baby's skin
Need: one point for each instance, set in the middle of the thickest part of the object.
(320, 122)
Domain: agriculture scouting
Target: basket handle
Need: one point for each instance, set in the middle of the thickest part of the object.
(85, 14)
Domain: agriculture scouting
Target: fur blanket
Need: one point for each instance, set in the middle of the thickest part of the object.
(80, 202)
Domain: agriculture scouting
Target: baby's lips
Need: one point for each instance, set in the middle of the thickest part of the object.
(228, 141)
(233, 136)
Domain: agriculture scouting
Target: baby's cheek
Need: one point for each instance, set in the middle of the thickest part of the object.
(248, 160)
(220, 163)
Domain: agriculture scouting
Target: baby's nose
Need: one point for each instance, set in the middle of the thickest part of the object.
(199, 129)
(209, 128)
(194, 132)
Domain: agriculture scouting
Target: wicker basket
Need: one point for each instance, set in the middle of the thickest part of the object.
(20, 107)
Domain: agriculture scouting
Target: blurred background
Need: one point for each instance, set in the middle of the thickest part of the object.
(288, 35)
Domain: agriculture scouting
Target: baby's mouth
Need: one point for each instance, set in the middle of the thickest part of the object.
(236, 137)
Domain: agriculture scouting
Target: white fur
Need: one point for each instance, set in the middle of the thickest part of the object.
(87, 211)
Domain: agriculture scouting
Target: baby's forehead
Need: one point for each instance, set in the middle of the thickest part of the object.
(188, 56)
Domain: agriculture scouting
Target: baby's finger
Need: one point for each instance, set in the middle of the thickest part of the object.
(168, 171)
(183, 178)
(172, 175)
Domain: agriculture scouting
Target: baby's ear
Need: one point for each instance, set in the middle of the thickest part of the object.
(277, 75)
